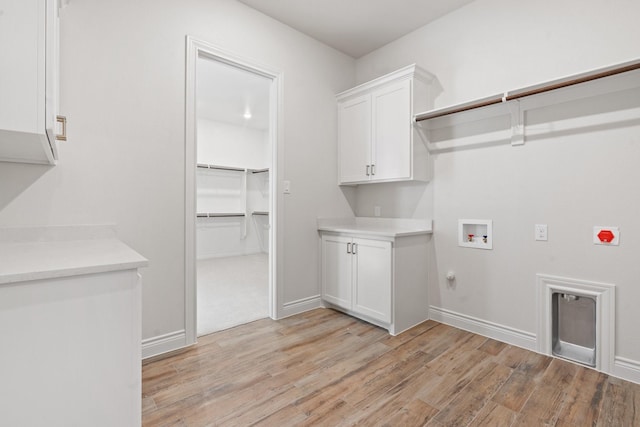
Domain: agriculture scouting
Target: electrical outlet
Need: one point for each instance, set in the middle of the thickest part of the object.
(608, 236)
(376, 211)
(541, 232)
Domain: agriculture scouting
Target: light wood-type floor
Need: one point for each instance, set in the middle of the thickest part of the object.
(327, 369)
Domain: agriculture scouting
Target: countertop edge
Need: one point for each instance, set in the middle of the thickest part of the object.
(8, 279)
(381, 233)
(31, 260)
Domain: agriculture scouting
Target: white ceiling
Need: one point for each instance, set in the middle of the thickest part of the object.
(225, 93)
(355, 27)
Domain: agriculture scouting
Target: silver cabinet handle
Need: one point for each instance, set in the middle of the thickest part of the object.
(354, 246)
(348, 248)
(367, 170)
(63, 121)
(373, 169)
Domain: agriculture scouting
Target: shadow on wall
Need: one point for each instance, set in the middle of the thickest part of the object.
(15, 178)
(396, 199)
(350, 194)
(586, 115)
(435, 297)
(544, 118)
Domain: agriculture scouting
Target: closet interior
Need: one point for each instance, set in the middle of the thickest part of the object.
(233, 195)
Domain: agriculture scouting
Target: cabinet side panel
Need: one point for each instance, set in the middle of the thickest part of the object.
(411, 302)
(52, 49)
(76, 342)
(422, 168)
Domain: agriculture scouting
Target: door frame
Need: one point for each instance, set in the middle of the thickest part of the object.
(195, 49)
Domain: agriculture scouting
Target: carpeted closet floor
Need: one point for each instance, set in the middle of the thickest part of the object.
(232, 291)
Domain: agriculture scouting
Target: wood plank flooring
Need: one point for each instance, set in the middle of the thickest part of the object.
(328, 369)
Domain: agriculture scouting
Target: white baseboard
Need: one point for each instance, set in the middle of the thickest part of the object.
(300, 306)
(163, 343)
(482, 327)
(626, 369)
(623, 368)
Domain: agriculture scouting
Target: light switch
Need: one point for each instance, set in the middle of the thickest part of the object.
(541, 232)
(286, 187)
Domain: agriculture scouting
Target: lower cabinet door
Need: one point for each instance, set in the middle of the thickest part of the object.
(336, 270)
(372, 276)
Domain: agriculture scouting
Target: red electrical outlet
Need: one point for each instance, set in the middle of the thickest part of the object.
(606, 236)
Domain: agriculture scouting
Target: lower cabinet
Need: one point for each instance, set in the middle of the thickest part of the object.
(358, 275)
(72, 351)
(374, 279)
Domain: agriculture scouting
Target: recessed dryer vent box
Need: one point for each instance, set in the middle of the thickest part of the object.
(475, 233)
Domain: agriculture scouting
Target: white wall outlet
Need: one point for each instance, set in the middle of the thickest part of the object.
(609, 236)
(541, 232)
(286, 187)
(376, 211)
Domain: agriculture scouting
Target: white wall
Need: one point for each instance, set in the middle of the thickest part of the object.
(226, 144)
(123, 89)
(488, 47)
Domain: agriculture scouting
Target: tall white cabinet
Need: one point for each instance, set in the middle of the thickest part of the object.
(377, 141)
(29, 81)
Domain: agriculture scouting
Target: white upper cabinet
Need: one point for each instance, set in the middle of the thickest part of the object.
(28, 80)
(377, 141)
(355, 141)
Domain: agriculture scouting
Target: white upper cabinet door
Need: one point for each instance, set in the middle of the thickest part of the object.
(375, 129)
(337, 270)
(354, 139)
(391, 142)
(28, 80)
(372, 278)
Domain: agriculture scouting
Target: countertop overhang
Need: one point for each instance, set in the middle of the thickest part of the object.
(35, 253)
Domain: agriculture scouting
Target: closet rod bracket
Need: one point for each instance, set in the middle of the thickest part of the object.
(517, 121)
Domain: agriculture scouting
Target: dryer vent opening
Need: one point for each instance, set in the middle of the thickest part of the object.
(576, 321)
(574, 327)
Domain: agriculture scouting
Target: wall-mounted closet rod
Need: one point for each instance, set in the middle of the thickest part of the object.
(260, 170)
(219, 215)
(533, 90)
(259, 213)
(218, 167)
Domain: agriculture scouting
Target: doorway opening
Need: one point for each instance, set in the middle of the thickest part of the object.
(231, 162)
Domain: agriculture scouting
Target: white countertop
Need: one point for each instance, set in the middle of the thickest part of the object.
(371, 226)
(33, 253)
